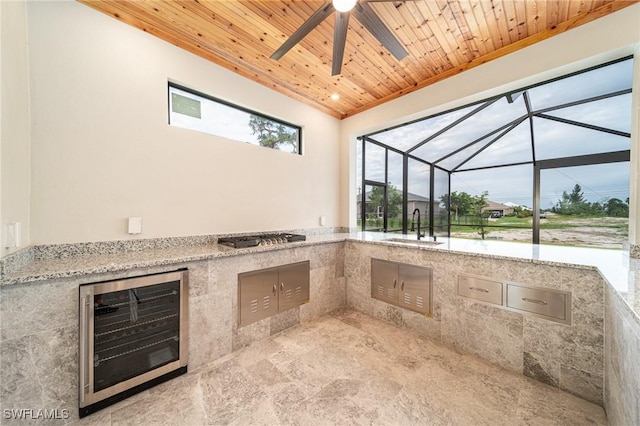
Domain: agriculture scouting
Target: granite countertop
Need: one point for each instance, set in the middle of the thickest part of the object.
(614, 265)
(88, 264)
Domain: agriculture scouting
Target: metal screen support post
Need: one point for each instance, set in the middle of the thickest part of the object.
(536, 203)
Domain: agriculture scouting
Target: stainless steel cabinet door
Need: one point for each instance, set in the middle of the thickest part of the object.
(415, 288)
(293, 282)
(384, 280)
(257, 295)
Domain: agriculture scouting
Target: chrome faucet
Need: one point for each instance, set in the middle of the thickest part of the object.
(413, 218)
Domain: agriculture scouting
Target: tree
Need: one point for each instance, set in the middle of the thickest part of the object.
(574, 203)
(479, 215)
(394, 199)
(616, 208)
(376, 199)
(273, 134)
(522, 212)
(460, 203)
(576, 196)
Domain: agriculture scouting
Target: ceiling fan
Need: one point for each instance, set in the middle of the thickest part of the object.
(344, 8)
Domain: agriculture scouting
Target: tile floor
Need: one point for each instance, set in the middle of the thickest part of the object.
(345, 369)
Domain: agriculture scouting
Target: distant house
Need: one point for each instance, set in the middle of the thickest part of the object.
(414, 201)
(514, 205)
(498, 209)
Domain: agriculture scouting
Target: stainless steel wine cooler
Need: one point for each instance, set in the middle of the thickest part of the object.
(133, 335)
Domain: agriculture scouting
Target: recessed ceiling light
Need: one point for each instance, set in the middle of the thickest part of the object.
(335, 96)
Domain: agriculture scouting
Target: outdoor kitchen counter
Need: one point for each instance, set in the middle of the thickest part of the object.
(622, 273)
(39, 298)
(73, 263)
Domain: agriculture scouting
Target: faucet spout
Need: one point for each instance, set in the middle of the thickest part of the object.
(413, 219)
(413, 216)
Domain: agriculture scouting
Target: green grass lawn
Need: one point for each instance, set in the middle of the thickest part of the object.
(551, 222)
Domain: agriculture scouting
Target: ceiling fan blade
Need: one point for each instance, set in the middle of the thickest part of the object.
(339, 41)
(315, 19)
(373, 24)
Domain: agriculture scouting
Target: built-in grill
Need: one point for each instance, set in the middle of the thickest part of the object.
(260, 240)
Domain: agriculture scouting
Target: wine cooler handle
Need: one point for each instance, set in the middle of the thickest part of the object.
(84, 347)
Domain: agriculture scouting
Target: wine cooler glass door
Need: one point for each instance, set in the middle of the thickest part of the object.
(135, 331)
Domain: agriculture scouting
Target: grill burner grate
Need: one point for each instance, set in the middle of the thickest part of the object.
(260, 240)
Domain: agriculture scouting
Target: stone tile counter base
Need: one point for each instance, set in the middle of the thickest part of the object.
(570, 357)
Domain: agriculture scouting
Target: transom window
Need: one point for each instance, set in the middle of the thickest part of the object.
(544, 163)
(196, 111)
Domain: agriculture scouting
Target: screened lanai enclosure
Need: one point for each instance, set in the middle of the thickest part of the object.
(548, 163)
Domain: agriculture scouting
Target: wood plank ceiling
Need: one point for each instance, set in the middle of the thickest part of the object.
(442, 38)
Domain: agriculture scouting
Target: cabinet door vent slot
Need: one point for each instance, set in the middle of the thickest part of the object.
(407, 299)
(287, 294)
(419, 302)
(266, 303)
(391, 294)
(254, 306)
(380, 292)
(298, 291)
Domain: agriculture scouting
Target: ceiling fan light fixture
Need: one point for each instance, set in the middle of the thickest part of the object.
(335, 96)
(343, 5)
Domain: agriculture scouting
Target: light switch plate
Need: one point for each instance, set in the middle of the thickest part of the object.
(13, 231)
(135, 225)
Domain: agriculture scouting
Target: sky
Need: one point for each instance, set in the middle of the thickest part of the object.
(218, 119)
(552, 140)
(515, 184)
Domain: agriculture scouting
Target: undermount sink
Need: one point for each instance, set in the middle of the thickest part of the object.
(408, 241)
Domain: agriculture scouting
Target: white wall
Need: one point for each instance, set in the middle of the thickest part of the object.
(14, 124)
(607, 38)
(103, 151)
(634, 186)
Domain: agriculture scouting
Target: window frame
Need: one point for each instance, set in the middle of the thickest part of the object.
(171, 84)
(536, 164)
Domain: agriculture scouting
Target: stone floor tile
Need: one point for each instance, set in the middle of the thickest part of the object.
(348, 368)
